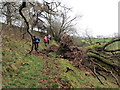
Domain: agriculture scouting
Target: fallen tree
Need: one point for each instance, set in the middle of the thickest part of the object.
(68, 50)
(97, 58)
(100, 59)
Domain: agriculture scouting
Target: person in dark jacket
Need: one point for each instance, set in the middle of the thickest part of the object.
(36, 41)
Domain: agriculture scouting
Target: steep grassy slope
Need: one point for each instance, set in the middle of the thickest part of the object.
(22, 70)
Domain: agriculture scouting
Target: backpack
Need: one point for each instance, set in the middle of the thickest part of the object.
(36, 39)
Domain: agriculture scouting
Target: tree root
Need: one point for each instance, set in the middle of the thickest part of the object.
(117, 81)
(94, 72)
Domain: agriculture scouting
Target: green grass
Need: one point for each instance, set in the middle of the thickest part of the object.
(30, 71)
(21, 70)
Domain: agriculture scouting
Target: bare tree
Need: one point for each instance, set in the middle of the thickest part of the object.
(10, 11)
(88, 36)
(39, 11)
(62, 24)
(47, 16)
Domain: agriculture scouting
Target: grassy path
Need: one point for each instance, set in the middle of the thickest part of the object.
(42, 72)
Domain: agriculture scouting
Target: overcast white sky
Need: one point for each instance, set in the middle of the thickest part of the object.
(99, 16)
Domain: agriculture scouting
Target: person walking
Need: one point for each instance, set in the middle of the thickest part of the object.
(45, 40)
(36, 41)
(49, 38)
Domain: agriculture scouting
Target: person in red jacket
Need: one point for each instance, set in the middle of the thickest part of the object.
(45, 40)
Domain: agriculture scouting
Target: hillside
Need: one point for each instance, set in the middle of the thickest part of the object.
(40, 70)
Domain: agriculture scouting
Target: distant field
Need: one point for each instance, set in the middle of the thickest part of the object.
(86, 42)
(94, 40)
(113, 46)
(101, 40)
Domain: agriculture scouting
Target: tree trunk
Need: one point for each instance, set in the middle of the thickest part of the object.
(9, 21)
(27, 24)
